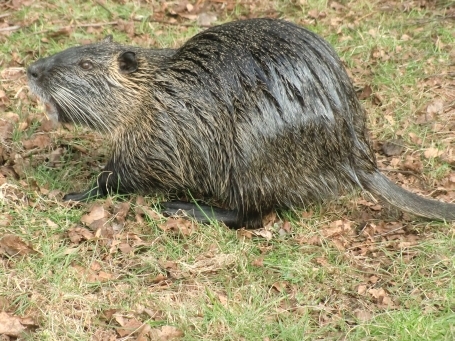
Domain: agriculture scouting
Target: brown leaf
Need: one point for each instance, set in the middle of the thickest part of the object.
(51, 224)
(362, 315)
(266, 234)
(159, 278)
(245, 234)
(436, 107)
(287, 227)
(382, 297)
(55, 156)
(141, 209)
(78, 234)
(223, 300)
(365, 93)
(129, 327)
(258, 262)
(6, 130)
(181, 225)
(13, 245)
(104, 335)
(339, 227)
(412, 164)
(5, 219)
(62, 31)
(165, 333)
(280, 286)
(47, 125)
(361, 289)
(108, 314)
(125, 248)
(432, 152)
(39, 141)
(104, 276)
(13, 325)
(121, 210)
(97, 212)
(12, 73)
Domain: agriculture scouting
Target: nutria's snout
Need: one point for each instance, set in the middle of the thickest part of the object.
(37, 71)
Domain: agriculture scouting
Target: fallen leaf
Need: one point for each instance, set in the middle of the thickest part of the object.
(96, 213)
(78, 234)
(39, 141)
(12, 73)
(121, 210)
(182, 226)
(223, 300)
(432, 152)
(6, 130)
(339, 227)
(5, 219)
(258, 262)
(365, 93)
(13, 245)
(361, 289)
(266, 234)
(129, 327)
(165, 333)
(362, 315)
(104, 335)
(245, 234)
(280, 286)
(436, 107)
(51, 224)
(159, 278)
(13, 325)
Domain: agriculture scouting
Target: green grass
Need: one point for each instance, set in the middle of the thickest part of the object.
(215, 283)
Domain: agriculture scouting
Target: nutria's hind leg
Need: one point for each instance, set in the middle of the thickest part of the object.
(92, 193)
(203, 213)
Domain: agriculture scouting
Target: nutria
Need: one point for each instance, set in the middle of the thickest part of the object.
(249, 116)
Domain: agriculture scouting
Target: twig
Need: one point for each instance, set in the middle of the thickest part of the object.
(400, 171)
(4, 15)
(79, 25)
(9, 28)
(174, 23)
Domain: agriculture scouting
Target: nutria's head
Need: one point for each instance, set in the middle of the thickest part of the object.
(96, 85)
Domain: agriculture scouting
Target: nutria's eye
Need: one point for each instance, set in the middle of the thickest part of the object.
(86, 64)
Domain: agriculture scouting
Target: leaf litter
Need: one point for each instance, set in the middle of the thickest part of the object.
(358, 231)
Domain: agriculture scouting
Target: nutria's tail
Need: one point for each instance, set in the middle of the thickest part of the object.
(378, 184)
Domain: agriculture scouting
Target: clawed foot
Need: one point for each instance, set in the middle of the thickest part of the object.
(202, 213)
(87, 195)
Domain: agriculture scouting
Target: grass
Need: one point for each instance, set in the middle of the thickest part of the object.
(383, 276)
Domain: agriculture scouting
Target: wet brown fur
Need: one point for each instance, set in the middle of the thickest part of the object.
(249, 116)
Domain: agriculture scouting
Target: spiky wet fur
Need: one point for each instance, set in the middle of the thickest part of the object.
(250, 116)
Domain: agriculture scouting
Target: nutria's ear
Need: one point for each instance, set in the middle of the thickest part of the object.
(108, 39)
(127, 62)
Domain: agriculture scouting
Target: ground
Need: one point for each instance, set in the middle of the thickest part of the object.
(115, 269)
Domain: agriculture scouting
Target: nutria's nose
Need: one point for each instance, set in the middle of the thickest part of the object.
(38, 69)
(35, 71)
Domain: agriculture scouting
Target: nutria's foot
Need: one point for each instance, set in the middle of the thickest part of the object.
(202, 213)
(90, 194)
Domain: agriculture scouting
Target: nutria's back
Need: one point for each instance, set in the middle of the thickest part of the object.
(249, 116)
